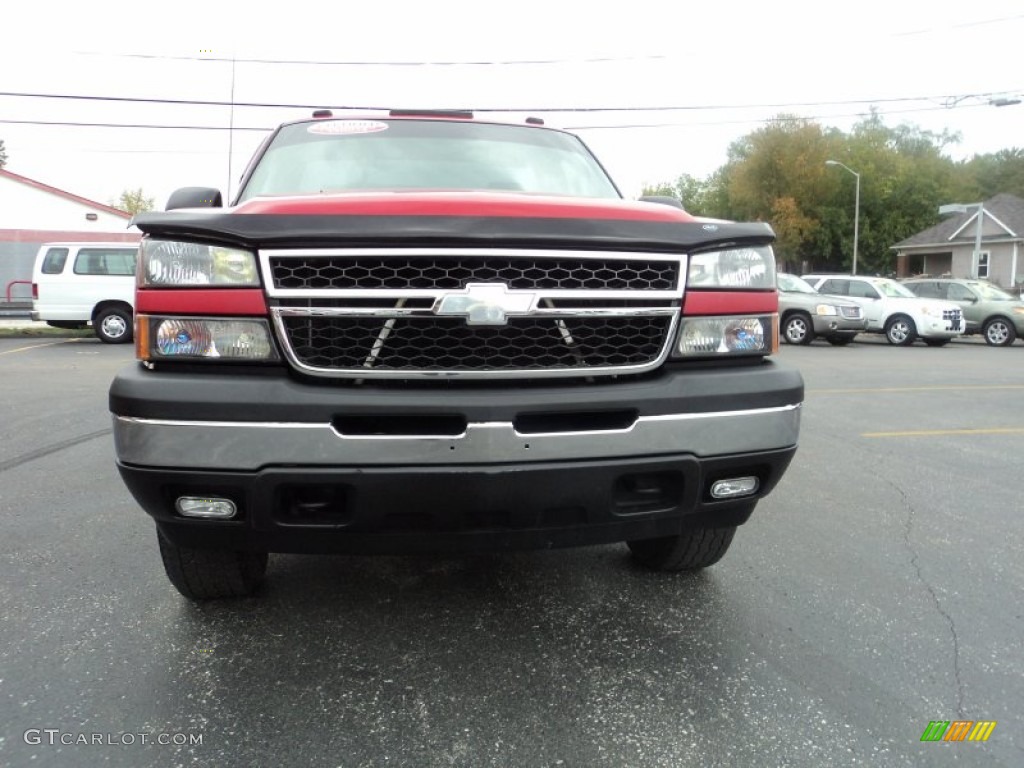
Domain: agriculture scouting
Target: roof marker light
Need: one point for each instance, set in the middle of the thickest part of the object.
(461, 114)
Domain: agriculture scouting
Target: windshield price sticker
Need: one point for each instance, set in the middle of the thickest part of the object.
(347, 127)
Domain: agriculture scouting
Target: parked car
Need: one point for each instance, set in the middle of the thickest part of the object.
(804, 314)
(894, 310)
(75, 284)
(988, 310)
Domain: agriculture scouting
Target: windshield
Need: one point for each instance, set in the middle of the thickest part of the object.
(991, 293)
(893, 289)
(794, 284)
(360, 155)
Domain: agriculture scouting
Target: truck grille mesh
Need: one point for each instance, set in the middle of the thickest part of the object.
(453, 273)
(430, 312)
(448, 344)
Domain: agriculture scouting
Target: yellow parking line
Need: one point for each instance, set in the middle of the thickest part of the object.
(36, 346)
(938, 388)
(934, 432)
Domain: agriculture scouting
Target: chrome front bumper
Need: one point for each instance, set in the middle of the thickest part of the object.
(248, 446)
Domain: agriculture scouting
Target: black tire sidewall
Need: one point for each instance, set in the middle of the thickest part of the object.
(808, 336)
(105, 313)
(911, 330)
(1011, 332)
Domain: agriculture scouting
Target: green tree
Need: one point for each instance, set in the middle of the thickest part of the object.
(777, 173)
(792, 227)
(134, 201)
(992, 174)
(701, 197)
(905, 176)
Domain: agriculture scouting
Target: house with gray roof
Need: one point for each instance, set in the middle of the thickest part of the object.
(947, 249)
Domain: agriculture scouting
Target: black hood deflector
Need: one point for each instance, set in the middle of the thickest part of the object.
(349, 231)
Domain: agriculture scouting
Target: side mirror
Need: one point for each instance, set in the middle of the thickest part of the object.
(662, 200)
(194, 197)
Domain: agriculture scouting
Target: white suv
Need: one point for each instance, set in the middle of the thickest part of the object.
(892, 309)
(74, 284)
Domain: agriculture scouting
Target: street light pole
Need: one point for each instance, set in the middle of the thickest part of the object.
(964, 208)
(856, 209)
(977, 242)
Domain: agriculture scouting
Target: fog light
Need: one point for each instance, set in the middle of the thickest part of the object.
(734, 486)
(195, 506)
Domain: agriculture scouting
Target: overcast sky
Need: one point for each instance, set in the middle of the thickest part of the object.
(730, 65)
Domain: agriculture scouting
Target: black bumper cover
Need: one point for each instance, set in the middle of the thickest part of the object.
(456, 507)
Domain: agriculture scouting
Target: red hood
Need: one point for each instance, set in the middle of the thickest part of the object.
(488, 204)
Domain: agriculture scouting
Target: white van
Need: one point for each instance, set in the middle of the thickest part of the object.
(77, 284)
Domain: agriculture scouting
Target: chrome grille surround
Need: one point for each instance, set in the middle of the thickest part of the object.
(851, 313)
(559, 312)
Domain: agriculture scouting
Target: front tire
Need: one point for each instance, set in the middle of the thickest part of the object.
(113, 325)
(999, 332)
(900, 331)
(208, 574)
(798, 329)
(691, 550)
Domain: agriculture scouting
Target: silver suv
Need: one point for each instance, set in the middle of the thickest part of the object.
(804, 314)
(988, 310)
(892, 309)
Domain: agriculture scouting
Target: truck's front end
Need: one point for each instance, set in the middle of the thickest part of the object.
(431, 333)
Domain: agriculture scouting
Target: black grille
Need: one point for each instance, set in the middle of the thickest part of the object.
(448, 344)
(455, 272)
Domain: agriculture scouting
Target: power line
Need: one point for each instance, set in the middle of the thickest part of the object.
(78, 150)
(613, 126)
(305, 62)
(962, 25)
(488, 110)
(492, 63)
(777, 119)
(137, 125)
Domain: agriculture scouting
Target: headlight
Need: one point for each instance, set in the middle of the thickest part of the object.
(192, 338)
(825, 309)
(173, 263)
(739, 268)
(712, 336)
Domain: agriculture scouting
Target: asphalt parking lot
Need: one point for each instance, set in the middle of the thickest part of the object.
(879, 588)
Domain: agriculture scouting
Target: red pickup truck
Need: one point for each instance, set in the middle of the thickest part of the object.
(427, 332)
